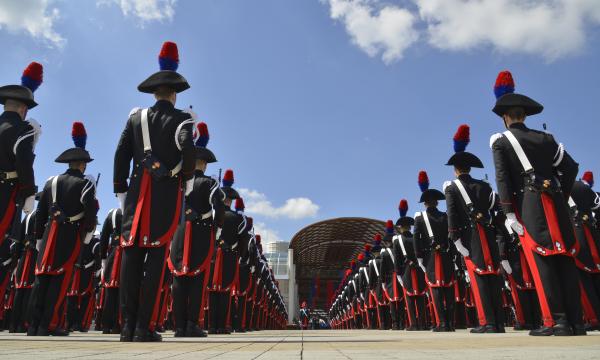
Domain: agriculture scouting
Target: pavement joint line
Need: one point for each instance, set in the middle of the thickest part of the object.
(225, 352)
(269, 349)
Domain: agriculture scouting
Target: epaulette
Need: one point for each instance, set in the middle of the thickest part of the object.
(134, 110)
(494, 138)
(446, 184)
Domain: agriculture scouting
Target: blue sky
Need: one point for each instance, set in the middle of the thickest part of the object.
(322, 108)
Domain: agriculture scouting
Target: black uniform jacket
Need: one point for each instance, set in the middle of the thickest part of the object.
(435, 251)
(86, 266)
(61, 238)
(153, 205)
(528, 195)
(111, 249)
(475, 226)
(225, 268)
(389, 280)
(193, 243)
(412, 276)
(16, 156)
(588, 237)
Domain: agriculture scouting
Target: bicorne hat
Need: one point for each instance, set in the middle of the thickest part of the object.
(461, 157)
(428, 194)
(404, 220)
(77, 153)
(30, 80)
(506, 98)
(168, 60)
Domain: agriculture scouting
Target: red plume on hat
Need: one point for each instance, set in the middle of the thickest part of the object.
(588, 177)
(79, 134)
(462, 138)
(423, 180)
(377, 237)
(228, 178)
(168, 58)
(33, 76)
(257, 237)
(361, 257)
(389, 227)
(367, 247)
(403, 207)
(202, 134)
(504, 84)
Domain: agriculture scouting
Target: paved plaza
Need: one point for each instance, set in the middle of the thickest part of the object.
(321, 345)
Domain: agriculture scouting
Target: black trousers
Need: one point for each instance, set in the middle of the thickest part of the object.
(187, 299)
(487, 291)
(558, 290)
(110, 311)
(219, 308)
(415, 307)
(460, 315)
(397, 313)
(142, 273)
(528, 308)
(48, 300)
(443, 303)
(239, 313)
(590, 297)
(20, 310)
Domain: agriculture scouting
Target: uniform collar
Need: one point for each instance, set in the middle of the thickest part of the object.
(198, 172)
(518, 125)
(464, 177)
(12, 115)
(74, 172)
(164, 105)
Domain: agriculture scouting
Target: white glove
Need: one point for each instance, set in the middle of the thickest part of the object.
(218, 233)
(38, 244)
(104, 262)
(399, 280)
(28, 204)
(88, 237)
(189, 186)
(420, 261)
(461, 249)
(506, 266)
(511, 220)
(121, 197)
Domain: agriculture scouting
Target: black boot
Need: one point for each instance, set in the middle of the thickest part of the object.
(126, 333)
(485, 329)
(542, 331)
(144, 335)
(562, 330)
(579, 330)
(179, 332)
(193, 330)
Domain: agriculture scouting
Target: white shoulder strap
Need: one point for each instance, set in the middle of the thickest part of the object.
(401, 242)
(366, 274)
(427, 224)
(145, 131)
(375, 267)
(114, 218)
(389, 251)
(54, 186)
(463, 192)
(519, 151)
(27, 223)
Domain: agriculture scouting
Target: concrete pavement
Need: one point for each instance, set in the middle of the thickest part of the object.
(320, 345)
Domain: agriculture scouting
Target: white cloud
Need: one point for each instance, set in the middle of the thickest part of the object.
(34, 17)
(145, 10)
(267, 235)
(387, 30)
(551, 28)
(294, 208)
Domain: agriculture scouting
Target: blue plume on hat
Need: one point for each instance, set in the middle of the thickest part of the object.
(504, 84)
(79, 135)
(423, 181)
(203, 135)
(33, 76)
(168, 59)
(462, 138)
(403, 207)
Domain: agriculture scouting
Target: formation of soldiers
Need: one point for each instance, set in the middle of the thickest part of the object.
(526, 256)
(173, 255)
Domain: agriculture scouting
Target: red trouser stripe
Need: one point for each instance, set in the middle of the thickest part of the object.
(439, 272)
(25, 273)
(158, 291)
(435, 309)
(588, 310)
(49, 248)
(140, 205)
(476, 294)
(526, 271)
(187, 242)
(528, 246)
